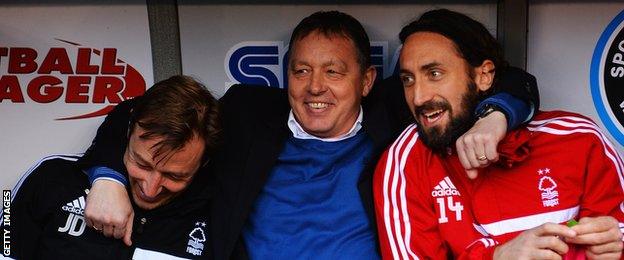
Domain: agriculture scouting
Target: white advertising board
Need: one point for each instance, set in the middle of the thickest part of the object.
(227, 44)
(576, 52)
(62, 67)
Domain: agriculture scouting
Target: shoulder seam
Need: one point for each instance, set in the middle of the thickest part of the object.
(68, 157)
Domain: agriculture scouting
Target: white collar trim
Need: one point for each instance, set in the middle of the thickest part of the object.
(299, 133)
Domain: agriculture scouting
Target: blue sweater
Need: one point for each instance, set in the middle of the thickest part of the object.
(310, 207)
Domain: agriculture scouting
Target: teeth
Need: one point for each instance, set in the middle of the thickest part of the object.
(317, 105)
(432, 114)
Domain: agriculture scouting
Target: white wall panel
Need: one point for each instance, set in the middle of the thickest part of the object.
(30, 130)
(562, 38)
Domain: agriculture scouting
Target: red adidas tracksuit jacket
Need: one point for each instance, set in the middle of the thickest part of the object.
(558, 167)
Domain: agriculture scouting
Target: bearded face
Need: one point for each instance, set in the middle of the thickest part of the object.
(439, 137)
(441, 88)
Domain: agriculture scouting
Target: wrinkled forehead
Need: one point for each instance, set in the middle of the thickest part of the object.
(337, 38)
(158, 150)
(328, 33)
(427, 47)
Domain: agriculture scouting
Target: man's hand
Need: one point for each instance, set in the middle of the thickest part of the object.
(477, 148)
(601, 235)
(109, 210)
(543, 242)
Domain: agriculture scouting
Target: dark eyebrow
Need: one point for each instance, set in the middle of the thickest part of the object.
(335, 62)
(429, 66)
(291, 65)
(137, 157)
(401, 71)
(140, 160)
(178, 174)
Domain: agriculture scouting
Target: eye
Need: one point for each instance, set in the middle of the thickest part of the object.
(407, 80)
(335, 73)
(143, 166)
(435, 74)
(300, 71)
(176, 178)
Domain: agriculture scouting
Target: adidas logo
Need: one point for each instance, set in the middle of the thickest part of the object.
(77, 206)
(445, 188)
(75, 224)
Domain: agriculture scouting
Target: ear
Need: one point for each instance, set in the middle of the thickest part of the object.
(369, 79)
(484, 75)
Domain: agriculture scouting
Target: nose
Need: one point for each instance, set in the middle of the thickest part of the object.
(153, 184)
(421, 94)
(316, 85)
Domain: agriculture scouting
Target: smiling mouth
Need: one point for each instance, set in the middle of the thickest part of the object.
(146, 198)
(317, 105)
(432, 117)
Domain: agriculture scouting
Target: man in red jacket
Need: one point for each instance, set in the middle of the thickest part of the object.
(559, 168)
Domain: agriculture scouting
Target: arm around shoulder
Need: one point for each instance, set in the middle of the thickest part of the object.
(110, 142)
